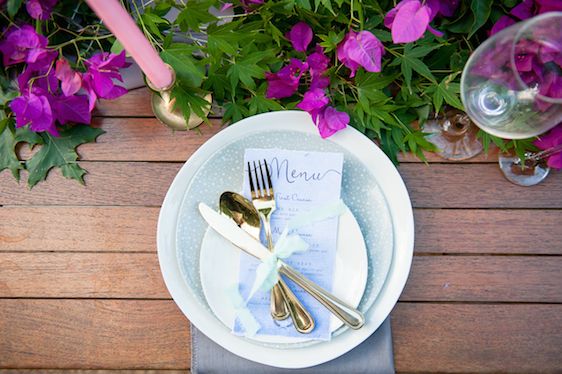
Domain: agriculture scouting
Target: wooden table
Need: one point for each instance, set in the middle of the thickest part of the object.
(80, 284)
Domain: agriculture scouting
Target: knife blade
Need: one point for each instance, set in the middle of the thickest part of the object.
(227, 228)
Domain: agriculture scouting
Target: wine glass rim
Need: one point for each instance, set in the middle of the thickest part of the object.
(526, 25)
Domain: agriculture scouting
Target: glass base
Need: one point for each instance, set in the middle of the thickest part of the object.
(528, 176)
(456, 144)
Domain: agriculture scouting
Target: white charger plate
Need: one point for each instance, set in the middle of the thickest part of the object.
(177, 222)
(219, 270)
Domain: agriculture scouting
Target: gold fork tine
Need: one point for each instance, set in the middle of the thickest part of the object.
(258, 187)
(265, 192)
(252, 188)
(268, 173)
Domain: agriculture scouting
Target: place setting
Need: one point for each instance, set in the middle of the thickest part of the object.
(285, 249)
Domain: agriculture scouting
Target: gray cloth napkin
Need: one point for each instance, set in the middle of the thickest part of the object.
(373, 356)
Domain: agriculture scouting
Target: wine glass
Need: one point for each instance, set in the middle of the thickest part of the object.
(511, 86)
(454, 135)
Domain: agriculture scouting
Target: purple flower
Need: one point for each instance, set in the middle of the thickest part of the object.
(549, 140)
(314, 100)
(360, 49)
(330, 120)
(300, 36)
(73, 108)
(409, 22)
(317, 61)
(285, 82)
(71, 81)
(548, 6)
(103, 68)
(35, 111)
(23, 45)
(40, 9)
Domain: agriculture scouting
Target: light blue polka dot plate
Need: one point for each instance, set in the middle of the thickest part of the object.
(372, 189)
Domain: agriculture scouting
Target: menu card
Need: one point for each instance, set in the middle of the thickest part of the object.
(302, 181)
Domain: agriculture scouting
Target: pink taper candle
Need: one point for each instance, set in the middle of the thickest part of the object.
(122, 25)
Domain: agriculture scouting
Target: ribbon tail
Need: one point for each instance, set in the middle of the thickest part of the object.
(245, 317)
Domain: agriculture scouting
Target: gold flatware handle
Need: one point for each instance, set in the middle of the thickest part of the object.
(345, 312)
(278, 308)
(302, 320)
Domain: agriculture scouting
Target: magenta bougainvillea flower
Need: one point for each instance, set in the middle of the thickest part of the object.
(103, 68)
(318, 65)
(330, 120)
(361, 49)
(300, 36)
(285, 82)
(34, 110)
(23, 45)
(409, 20)
(526, 10)
(551, 139)
(313, 100)
(71, 81)
(40, 9)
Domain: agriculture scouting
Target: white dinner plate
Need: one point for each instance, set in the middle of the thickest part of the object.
(372, 188)
(219, 268)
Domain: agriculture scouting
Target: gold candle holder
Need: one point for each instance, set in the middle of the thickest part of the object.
(163, 107)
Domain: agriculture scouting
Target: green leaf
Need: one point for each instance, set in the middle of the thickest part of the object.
(331, 40)
(194, 15)
(449, 91)
(419, 67)
(180, 57)
(13, 6)
(152, 21)
(8, 157)
(116, 47)
(246, 69)
(60, 152)
(189, 100)
(481, 10)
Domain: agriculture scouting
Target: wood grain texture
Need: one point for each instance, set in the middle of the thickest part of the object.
(137, 275)
(477, 338)
(136, 103)
(88, 229)
(81, 275)
(145, 184)
(133, 229)
(139, 139)
(141, 132)
(130, 334)
(488, 231)
(485, 278)
(93, 334)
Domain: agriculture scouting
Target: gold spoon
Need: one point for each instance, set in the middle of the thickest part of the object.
(243, 212)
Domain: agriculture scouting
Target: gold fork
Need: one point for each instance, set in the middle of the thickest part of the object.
(283, 300)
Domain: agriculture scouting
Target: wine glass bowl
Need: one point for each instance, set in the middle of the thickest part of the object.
(511, 86)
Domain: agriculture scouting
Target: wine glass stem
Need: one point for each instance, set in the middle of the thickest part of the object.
(546, 153)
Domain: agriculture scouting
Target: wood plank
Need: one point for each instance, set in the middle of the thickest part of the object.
(93, 334)
(136, 103)
(129, 334)
(81, 275)
(139, 139)
(488, 231)
(88, 229)
(132, 229)
(477, 338)
(137, 275)
(485, 278)
(145, 184)
(107, 183)
(476, 186)
(137, 134)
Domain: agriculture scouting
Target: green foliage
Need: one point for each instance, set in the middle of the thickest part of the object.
(60, 152)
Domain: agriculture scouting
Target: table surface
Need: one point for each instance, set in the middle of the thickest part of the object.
(81, 288)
